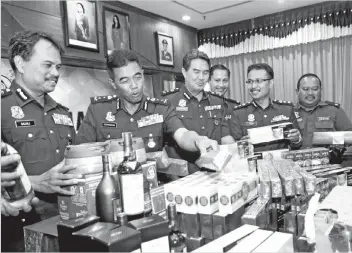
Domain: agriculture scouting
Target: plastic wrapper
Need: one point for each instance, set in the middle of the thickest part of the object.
(298, 182)
(276, 189)
(332, 138)
(214, 160)
(161, 158)
(309, 180)
(265, 183)
(286, 177)
(257, 214)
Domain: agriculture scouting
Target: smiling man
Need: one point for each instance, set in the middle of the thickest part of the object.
(315, 115)
(263, 111)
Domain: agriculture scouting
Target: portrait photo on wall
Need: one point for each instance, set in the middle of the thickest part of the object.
(81, 25)
(165, 49)
(116, 30)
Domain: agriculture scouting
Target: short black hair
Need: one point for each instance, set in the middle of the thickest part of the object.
(120, 58)
(22, 44)
(192, 55)
(84, 11)
(114, 25)
(218, 67)
(269, 70)
(307, 75)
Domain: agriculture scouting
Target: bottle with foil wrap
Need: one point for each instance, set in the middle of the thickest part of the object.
(131, 181)
(21, 192)
(177, 241)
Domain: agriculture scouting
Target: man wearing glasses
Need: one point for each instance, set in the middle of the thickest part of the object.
(263, 111)
(315, 115)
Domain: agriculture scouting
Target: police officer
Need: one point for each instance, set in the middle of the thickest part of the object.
(315, 115)
(165, 55)
(219, 84)
(199, 111)
(263, 111)
(108, 117)
(37, 127)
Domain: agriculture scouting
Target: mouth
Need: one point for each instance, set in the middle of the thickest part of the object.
(135, 94)
(310, 98)
(254, 91)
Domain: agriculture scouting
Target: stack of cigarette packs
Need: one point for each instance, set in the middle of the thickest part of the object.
(308, 157)
(332, 138)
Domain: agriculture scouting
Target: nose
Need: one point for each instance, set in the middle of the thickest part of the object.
(310, 92)
(54, 71)
(133, 84)
(201, 76)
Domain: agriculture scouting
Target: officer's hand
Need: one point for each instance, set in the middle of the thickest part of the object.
(294, 135)
(204, 144)
(7, 178)
(246, 137)
(8, 210)
(52, 180)
(336, 153)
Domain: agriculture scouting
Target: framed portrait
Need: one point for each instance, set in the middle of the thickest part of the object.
(165, 49)
(81, 24)
(116, 30)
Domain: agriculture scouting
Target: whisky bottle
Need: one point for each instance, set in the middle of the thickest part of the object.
(177, 241)
(107, 195)
(131, 181)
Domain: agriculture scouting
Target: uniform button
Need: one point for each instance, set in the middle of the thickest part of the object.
(201, 116)
(182, 116)
(199, 106)
(45, 113)
(108, 136)
(132, 119)
(23, 220)
(30, 135)
(57, 151)
(51, 131)
(203, 127)
(214, 116)
(265, 116)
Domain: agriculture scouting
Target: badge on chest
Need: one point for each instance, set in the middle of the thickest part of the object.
(150, 120)
(62, 119)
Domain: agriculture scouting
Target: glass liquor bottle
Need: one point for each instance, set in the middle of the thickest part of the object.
(131, 181)
(107, 195)
(177, 241)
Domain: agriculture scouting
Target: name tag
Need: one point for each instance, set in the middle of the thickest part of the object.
(212, 107)
(150, 120)
(62, 119)
(250, 123)
(181, 109)
(25, 123)
(323, 118)
(279, 118)
(109, 124)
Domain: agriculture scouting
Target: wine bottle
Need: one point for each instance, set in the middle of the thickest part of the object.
(107, 195)
(177, 241)
(131, 181)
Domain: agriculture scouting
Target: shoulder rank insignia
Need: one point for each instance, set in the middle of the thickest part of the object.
(5, 92)
(100, 99)
(66, 108)
(167, 92)
(242, 105)
(158, 101)
(232, 101)
(282, 102)
(333, 104)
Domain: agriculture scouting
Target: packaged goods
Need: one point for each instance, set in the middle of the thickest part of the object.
(286, 178)
(252, 241)
(224, 223)
(277, 242)
(214, 160)
(161, 158)
(230, 197)
(265, 183)
(177, 167)
(332, 138)
(276, 189)
(194, 243)
(258, 213)
(269, 133)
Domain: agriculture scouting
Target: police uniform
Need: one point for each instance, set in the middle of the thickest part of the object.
(40, 135)
(251, 115)
(166, 56)
(107, 119)
(326, 116)
(205, 117)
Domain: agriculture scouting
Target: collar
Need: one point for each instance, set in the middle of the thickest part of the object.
(321, 103)
(188, 94)
(256, 105)
(121, 106)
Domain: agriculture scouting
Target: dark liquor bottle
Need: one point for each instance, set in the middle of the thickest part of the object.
(177, 241)
(107, 195)
(131, 181)
(80, 117)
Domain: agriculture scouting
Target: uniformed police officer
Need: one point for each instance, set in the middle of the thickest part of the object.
(315, 115)
(263, 111)
(199, 111)
(36, 126)
(165, 55)
(219, 83)
(131, 111)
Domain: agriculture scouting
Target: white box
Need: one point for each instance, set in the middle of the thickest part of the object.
(230, 196)
(252, 241)
(277, 242)
(268, 133)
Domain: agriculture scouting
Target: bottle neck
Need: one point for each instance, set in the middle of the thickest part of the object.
(105, 159)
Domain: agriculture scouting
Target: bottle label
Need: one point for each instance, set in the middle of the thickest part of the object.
(132, 193)
(157, 245)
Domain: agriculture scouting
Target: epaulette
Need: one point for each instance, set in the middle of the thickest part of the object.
(242, 105)
(99, 99)
(159, 101)
(66, 108)
(226, 99)
(5, 92)
(282, 102)
(232, 101)
(333, 104)
(167, 92)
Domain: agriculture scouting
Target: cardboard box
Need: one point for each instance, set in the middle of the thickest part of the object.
(194, 243)
(258, 213)
(83, 202)
(230, 197)
(225, 223)
(214, 160)
(108, 237)
(161, 158)
(206, 226)
(65, 229)
(191, 224)
(154, 233)
(277, 242)
(252, 241)
(269, 133)
(332, 138)
(177, 167)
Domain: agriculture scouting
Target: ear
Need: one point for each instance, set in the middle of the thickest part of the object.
(111, 82)
(19, 63)
(271, 83)
(184, 73)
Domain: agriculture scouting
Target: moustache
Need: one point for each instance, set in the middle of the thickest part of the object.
(56, 79)
(312, 97)
(254, 89)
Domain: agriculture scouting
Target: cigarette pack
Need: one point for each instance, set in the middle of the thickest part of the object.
(208, 197)
(206, 226)
(265, 183)
(332, 138)
(150, 173)
(193, 243)
(289, 155)
(224, 223)
(191, 224)
(298, 159)
(258, 213)
(269, 133)
(273, 154)
(177, 167)
(286, 177)
(161, 158)
(307, 158)
(230, 197)
(214, 160)
(276, 189)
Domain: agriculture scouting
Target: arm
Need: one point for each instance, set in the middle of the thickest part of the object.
(87, 131)
(294, 134)
(342, 122)
(235, 126)
(191, 141)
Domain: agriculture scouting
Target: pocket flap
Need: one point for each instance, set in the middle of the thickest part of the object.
(324, 124)
(29, 134)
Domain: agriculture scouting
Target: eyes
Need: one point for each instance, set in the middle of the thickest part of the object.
(49, 66)
(197, 71)
(219, 81)
(313, 89)
(127, 80)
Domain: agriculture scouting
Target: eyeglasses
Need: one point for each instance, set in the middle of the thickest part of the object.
(257, 81)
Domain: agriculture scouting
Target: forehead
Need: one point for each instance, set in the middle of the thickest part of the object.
(258, 73)
(129, 70)
(309, 81)
(46, 51)
(220, 73)
(199, 64)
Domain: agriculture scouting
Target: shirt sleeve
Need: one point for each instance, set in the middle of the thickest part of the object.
(293, 119)
(171, 122)
(225, 129)
(342, 122)
(235, 126)
(87, 131)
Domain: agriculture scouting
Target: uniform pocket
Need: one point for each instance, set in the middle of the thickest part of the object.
(184, 115)
(66, 137)
(110, 133)
(32, 143)
(324, 125)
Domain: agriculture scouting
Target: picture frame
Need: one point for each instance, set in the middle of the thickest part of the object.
(81, 24)
(116, 27)
(165, 51)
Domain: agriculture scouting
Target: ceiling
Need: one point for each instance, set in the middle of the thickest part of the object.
(210, 13)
